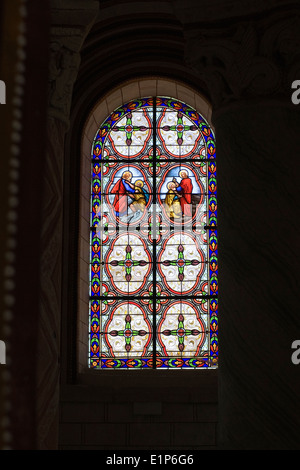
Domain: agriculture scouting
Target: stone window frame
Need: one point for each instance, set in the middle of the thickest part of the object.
(129, 90)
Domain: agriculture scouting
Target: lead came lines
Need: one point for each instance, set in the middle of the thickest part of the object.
(186, 263)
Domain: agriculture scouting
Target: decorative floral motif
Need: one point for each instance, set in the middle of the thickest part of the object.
(161, 298)
(181, 333)
(181, 263)
(127, 329)
(154, 268)
(128, 264)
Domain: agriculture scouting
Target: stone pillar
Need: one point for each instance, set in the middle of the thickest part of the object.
(248, 66)
(24, 40)
(70, 23)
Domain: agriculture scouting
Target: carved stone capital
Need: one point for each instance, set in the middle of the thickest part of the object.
(71, 23)
(247, 59)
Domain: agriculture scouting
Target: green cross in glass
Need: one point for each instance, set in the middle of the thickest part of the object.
(129, 128)
(128, 263)
(180, 262)
(181, 332)
(128, 333)
(180, 128)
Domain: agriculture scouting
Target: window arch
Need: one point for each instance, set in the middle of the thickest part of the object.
(153, 244)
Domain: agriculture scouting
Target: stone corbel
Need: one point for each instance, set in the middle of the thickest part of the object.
(252, 61)
(64, 64)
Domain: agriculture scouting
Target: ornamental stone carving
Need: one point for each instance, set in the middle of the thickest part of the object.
(247, 59)
(64, 64)
(70, 26)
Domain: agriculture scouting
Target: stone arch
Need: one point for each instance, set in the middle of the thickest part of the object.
(138, 88)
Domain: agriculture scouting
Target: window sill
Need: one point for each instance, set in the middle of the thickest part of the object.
(190, 385)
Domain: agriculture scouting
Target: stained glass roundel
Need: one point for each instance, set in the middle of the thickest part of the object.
(153, 243)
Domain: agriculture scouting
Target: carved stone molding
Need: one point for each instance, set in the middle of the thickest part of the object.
(248, 59)
(71, 22)
(64, 64)
(70, 26)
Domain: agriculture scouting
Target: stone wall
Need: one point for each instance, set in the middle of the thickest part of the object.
(180, 415)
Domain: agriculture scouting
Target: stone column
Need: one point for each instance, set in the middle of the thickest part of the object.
(249, 65)
(23, 67)
(70, 23)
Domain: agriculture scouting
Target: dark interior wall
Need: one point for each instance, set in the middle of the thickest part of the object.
(24, 57)
(153, 412)
(244, 65)
(243, 58)
(259, 384)
(163, 411)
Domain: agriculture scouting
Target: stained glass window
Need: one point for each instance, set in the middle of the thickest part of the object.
(153, 257)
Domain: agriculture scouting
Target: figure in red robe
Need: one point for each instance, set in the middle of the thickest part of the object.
(121, 189)
(184, 190)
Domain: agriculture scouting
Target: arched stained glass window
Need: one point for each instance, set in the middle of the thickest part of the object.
(153, 256)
